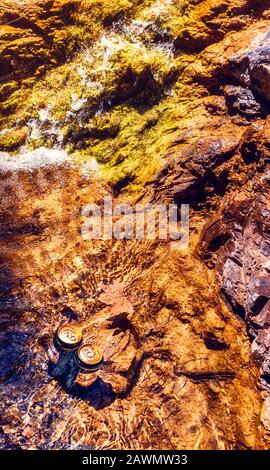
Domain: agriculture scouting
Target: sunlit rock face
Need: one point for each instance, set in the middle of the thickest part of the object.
(235, 243)
(151, 101)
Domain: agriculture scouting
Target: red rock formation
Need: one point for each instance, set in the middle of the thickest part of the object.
(235, 243)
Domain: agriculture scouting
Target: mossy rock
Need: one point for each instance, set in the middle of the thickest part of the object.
(13, 139)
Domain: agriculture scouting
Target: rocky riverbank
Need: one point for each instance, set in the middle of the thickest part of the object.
(153, 101)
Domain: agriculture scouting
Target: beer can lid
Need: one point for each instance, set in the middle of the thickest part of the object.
(69, 336)
(89, 356)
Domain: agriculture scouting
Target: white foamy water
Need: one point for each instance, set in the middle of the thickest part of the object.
(98, 61)
(44, 114)
(159, 8)
(46, 127)
(38, 158)
(90, 167)
(77, 103)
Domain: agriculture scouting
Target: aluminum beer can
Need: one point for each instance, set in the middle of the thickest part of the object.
(89, 358)
(68, 337)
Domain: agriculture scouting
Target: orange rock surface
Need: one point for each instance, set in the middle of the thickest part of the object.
(188, 367)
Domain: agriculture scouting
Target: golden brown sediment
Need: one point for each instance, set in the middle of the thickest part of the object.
(171, 99)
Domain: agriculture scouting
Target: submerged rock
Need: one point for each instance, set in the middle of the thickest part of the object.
(147, 101)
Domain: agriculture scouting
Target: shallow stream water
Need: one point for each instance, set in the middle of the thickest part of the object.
(164, 384)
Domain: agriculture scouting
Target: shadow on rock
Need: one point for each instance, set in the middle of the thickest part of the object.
(99, 394)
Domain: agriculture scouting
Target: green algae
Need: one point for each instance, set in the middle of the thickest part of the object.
(117, 100)
(12, 139)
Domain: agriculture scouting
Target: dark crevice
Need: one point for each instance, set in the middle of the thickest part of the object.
(259, 304)
(205, 376)
(218, 242)
(235, 306)
(11, 231)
